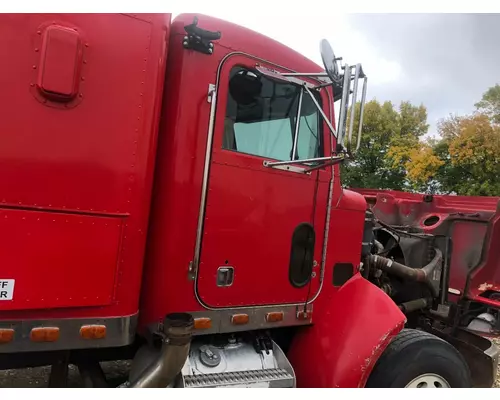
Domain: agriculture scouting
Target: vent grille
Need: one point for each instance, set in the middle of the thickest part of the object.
(237, 378)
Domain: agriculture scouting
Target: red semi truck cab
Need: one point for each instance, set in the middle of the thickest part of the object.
(170, 191)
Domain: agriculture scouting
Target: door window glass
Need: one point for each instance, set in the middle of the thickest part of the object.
(261, 115)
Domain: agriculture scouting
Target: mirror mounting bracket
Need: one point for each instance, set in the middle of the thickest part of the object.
(199, 39)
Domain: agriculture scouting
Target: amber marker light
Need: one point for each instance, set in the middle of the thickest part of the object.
(276, 316)
(93, 332)
(240, 319)
(6, 335)
(47, 334)
(202, 323)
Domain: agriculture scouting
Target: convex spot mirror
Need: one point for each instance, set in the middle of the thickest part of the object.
(330, 61)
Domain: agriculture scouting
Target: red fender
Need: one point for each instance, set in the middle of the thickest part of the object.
(354, 326)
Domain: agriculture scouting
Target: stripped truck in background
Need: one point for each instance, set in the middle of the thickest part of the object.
(170, 193)
(468, 228)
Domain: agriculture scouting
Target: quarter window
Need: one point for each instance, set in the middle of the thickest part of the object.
(261, 116)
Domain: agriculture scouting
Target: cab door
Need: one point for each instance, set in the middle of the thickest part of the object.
(263, 227)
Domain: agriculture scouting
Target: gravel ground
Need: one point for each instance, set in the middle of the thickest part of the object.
(116, 373)
(497, 380)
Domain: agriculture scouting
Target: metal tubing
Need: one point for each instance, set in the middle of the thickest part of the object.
(362, 111)
(416, 274)
(332, 129)
(414, 305)
(305, 161)
(343, 105)
(327, 164)
(353, 104)
(208, 154)
(297, 126)
(313, 74)
(176, 343)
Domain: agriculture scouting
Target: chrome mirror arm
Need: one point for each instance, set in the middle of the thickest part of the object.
(362, 111)
(325, 118)
(305, 161)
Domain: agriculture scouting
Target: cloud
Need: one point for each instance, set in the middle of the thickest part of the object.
(444, 61)
(447, 61)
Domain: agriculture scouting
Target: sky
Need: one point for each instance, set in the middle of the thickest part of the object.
(444, 61)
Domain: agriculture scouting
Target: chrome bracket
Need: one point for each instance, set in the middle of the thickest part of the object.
(211, 90)
(191, 271)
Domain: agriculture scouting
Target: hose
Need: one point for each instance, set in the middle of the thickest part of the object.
(415, 274)
(414, 305)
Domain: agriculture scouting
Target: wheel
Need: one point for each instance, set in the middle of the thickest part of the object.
(416, 359)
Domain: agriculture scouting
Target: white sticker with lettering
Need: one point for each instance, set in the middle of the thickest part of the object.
(7, 289)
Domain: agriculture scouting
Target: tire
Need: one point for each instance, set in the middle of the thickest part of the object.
(422, 359)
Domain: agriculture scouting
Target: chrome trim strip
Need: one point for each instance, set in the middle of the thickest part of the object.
(119, 332)
(325, 240)
(312, 74)
(221, 319)
(193, 267)
(206, 169)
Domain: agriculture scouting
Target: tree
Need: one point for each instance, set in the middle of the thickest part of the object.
(421, 165)
(390, 143)
(490, 104)
(464, 160)
(470, 155)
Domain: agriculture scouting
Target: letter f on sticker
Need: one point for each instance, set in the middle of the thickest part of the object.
(4, 284)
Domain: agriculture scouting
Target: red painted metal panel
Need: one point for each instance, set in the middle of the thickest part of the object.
(60, 159)
(60, 64)
(486, 276)
(250, 217)
(349, 334)
(468, 239)
(472, 223)
(181, 155)
(93, 155)
(251, 229)
(58, 260)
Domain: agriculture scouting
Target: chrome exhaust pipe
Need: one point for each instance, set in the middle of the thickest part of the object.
(176, 342)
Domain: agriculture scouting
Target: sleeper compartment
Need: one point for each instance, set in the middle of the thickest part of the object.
(57, 260)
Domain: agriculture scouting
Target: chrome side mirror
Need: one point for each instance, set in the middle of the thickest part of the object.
(345, 82)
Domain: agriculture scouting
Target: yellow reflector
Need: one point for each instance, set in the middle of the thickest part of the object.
(93, 332)
(6, 335)
(44, 334)
(202, 323)
(276, 316)
(239, 319)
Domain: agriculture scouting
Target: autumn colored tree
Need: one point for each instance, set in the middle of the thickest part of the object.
(464, 160)
(470, 153)
(421, 164)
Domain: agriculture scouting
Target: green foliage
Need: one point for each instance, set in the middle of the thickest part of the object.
(490, 104)
(379, 161)
(464, 160)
